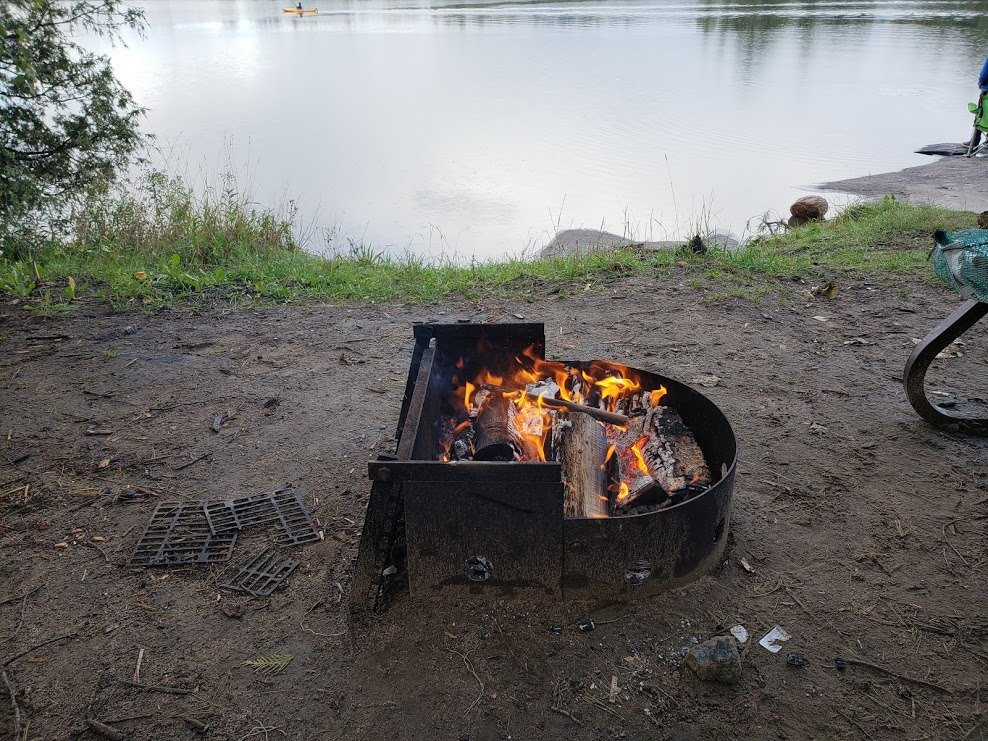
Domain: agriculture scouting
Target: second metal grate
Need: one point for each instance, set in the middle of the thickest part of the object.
(282, 507)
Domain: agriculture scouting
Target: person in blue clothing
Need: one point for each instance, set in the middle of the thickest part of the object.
(982, 101)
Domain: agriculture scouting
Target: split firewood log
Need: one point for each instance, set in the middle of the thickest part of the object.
(582, 454)
(495, 437)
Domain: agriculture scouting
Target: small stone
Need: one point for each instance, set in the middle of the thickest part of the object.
(840, 664)
(130, 329)
(809, 208)
(555, 630)
(716, 660)
(794, 658)
(586, 625)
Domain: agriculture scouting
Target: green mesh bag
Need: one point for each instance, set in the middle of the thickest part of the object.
(960, 259)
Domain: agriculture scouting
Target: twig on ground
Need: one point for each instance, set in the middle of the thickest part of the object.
(321, 635)
(903, 677)
(25, 652)
(192, 462)
(258, 730)
(469, 666)
(156, 688)
(25, 595)
(16, 709)
(105, 730)
(854, 723)
(102, 552)
(137, 668)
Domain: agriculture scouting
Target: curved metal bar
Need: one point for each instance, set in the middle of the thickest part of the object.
(914, 375)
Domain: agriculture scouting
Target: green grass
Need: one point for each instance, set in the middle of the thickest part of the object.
(165, 245)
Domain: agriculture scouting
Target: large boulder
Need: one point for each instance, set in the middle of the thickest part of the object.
(806, 209)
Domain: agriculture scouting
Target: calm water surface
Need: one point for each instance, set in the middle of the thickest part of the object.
(481, 128)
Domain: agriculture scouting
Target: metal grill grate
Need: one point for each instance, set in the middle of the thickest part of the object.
(178, 534)
(262, 574)
(282, 507)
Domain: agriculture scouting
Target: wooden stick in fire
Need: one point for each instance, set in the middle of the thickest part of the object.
(611, 418)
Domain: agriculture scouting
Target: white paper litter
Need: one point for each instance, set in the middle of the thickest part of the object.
(740, 633)
(773, 640)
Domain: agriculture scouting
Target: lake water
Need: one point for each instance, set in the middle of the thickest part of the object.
(479, 129)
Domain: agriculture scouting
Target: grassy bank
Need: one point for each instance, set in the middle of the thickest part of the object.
(161, 244)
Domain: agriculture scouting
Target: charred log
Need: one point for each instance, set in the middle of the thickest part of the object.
(644, 491)
(674, 458)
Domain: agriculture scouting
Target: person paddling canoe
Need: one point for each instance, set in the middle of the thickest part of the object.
(298, 6)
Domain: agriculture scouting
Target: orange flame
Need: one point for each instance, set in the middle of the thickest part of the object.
(655, 396)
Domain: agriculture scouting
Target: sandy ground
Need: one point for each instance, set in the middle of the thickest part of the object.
(959, 183)
(856, 527)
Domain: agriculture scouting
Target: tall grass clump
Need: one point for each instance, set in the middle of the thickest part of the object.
(164, 216)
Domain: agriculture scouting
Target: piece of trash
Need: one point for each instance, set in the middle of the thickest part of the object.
(390, 570)
(555, 630)
(747, 566)
(858, 341)
(63, 544)
(818, 428)
(104, 463)
(820, 318)
(840, 663)
(707, 380)
(586, 625)
(827, 288)
(218, 422)
(773, 640)
(716, 660)
(271, 403)
(128, 495)
(794, 658)
(612, 695)
(740, 633)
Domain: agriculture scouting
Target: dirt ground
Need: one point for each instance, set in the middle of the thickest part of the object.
(856, 527)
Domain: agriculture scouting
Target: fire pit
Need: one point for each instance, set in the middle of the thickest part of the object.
(521, 476)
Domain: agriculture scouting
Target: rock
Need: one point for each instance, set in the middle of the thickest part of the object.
(983, 220)
(808, 208)
(716, 660)
(587, 241)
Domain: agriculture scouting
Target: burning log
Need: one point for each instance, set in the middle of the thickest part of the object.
(674, 458)
(495, 438)
(582, 454)
(660, 458)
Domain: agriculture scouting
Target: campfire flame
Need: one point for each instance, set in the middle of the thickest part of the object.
(527, 382)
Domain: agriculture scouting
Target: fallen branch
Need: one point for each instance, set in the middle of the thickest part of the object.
(903, 677)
